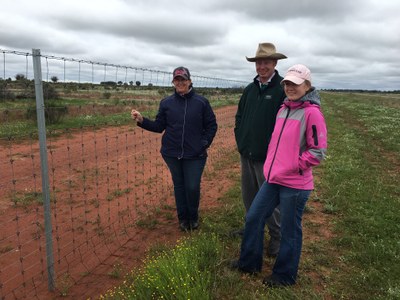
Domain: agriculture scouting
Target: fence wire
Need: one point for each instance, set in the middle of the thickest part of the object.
(107, 178)
(66, 69)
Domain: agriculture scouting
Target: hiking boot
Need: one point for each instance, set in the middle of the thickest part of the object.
(237, 233)
(234, 265)
(194, 225)
(184, 226)
(273, 282)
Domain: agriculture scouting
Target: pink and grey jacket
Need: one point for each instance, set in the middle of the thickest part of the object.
(298, 143)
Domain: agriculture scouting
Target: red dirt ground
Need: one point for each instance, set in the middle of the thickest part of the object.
(111, 199)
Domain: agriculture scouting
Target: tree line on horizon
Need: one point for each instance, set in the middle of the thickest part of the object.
(54, 79)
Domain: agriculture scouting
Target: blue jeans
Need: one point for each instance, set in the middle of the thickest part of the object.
(252, 180)
(186, 176)
(291, 202)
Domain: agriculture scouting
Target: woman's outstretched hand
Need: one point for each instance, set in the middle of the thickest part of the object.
(136, 116)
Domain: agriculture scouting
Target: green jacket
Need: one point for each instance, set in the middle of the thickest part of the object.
(255, 117)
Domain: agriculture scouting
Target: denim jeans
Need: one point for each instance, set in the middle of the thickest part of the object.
(291, 202)
(252, 180)
(186, 176)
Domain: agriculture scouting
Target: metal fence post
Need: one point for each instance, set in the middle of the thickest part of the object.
(44, 165)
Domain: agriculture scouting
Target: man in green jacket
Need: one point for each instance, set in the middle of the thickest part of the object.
(254, 124)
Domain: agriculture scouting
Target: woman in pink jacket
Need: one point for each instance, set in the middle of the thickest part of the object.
(298, 143)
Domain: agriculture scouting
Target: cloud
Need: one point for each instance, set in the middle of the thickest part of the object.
(277, 11)
(347, 44)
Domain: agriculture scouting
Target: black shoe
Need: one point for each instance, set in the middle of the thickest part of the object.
(236, 266)
(272, 282)
(184, 226)
(194, 225)
(237, 233)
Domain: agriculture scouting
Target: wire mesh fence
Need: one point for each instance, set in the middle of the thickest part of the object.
(17, 64)
(106, 176)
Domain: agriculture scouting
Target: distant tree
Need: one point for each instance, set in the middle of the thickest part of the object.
(20, 76)
(138, 83)
(50, 93)
(54, 79)
(120, 82)
(5, 93)
(131, 82)
(108, 83)
(54, 110)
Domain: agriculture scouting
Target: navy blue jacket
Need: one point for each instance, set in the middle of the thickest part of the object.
(189, 125)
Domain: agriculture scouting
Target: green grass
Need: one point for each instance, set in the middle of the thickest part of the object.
(185, 272)
(358, 189)
(15, 127)
(361, 179)
(26, 198)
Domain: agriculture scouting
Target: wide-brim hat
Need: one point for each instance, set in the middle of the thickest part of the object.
(266, 50)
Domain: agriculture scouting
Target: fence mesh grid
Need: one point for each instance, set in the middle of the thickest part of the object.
(106, 175)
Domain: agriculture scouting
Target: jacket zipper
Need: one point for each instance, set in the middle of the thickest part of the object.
(277, 144)
(183, 130)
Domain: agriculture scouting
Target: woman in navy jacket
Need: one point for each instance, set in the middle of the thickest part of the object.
(189, 127)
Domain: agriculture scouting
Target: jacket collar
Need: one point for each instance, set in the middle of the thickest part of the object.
(276, 79)
(187, 95)
(312, 97)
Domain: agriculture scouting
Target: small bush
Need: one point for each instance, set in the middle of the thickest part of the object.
(53, 113)
(5, 93)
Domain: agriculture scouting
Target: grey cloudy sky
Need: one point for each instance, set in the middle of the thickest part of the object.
(346, 44)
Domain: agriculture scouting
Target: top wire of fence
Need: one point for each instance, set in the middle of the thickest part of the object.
(59, 69)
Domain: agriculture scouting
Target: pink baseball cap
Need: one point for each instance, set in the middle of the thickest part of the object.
(297, 74)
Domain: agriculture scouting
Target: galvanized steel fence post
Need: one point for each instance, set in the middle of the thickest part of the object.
(40, 110)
